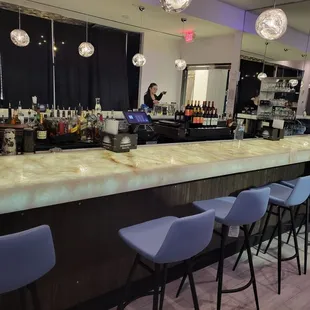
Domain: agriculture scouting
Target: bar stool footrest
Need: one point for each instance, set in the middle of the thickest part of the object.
(239, 289)
(288, 258)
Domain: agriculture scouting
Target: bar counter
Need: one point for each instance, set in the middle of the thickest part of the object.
(86, 196)
(33, 181)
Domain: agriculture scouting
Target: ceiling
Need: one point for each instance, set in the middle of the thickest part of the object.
(297, 11)
(125, 14)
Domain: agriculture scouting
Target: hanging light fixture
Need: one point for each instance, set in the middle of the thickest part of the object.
(139, 59)
(86, 49)
(262, 75)
(175, 6)
(18, 36)
(271, 24)
(180, 64)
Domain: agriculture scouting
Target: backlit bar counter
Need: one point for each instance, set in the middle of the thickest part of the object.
(86, 196)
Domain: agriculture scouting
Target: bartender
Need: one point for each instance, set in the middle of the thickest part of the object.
(150, 97)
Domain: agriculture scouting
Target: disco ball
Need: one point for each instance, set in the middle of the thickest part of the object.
(175, 6)
(262, 76)
(271, 24)
(180, 64)
(293, 82)
(20, 37)
(138, 60)
(86, 49)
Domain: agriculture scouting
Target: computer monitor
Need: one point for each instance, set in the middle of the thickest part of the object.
(136, 118)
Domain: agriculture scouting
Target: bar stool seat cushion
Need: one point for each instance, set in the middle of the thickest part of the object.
(290, 183)
(221, 206)
(147, 238)
(279, 194)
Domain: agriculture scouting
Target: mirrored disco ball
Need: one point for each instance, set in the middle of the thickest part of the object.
(138, 60)
(175, 6)
(271, 24)
(293, 82)
(86, 49)
(20, 37)
(180, 64)
(262, 76)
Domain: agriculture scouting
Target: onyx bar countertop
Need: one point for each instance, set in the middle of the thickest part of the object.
(39, 180)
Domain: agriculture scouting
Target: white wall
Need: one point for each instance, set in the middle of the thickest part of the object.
(161, 51)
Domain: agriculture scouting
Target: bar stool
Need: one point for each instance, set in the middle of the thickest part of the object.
(305, 221)
(285, 198)
(24, 258)
(247, 208)
(164, 241)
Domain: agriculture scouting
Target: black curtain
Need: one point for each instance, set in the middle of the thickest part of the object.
(108, 79)
(133, 47)
(26, 70)
(72, 70)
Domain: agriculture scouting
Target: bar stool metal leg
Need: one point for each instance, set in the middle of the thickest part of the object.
(279, 249)
(295, 240)
(182, 282)
(156, 286)
(34, 295)
(243, 247)
(248, 247)
(264, 229)
(306, 236)
(192, 284)
(163, 287)
(128, 282)
(295, 218)
(224, 236)
(22, 295)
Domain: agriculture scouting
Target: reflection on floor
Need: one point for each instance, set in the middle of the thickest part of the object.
(295, 289)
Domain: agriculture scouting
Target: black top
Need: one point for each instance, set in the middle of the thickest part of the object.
(149, 101)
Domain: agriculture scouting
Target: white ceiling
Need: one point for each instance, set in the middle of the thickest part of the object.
(124, 14)
(297, 11)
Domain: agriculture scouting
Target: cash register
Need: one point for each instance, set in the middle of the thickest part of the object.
(140, 124)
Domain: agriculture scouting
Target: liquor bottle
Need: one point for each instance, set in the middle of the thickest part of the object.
(48, 111)
(201, 117)
(187, 111)
(79, 109)
(58, 112)
(177, 116)
(63, 112)
(13, 119)
(210, 119)
(198, 105)
(29, 116)
(209, 106)
(69, 112)
(213, 107)
(89, 132)
(9, 114)
(97, 105)
(19, 107)
(41, 132)
(215, 119)
(2, 120)
(52, 114)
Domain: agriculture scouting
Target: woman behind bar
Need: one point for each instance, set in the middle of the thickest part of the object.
(150, 97)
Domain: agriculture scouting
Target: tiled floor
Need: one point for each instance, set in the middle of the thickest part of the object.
(295, 289)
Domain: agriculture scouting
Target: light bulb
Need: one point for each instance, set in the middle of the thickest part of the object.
(139, 60)
(271, 24)
(20, 37)
(175, 6)
(86, 49)
(262, 76)
(180, 64)
(293, 82)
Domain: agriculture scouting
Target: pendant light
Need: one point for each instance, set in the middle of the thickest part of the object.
(175, 6)
(86, 49)
(271, 24)
(18, 36)
(139, 59)
(180, 64)
(263, 75)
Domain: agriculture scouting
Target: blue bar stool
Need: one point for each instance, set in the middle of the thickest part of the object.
(164, 241)
(285, 198)
(247, 208)
(305, 221)
(24, 258)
